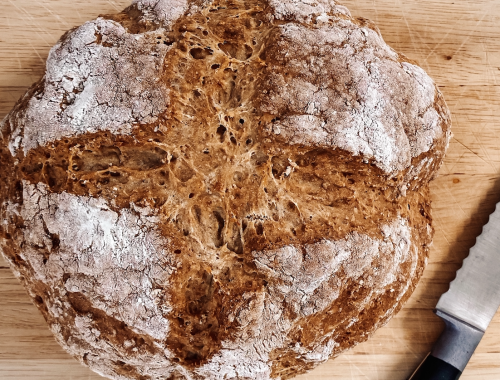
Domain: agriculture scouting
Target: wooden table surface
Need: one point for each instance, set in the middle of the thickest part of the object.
(456, 41)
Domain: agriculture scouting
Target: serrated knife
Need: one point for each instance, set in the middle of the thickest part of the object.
(467, 308)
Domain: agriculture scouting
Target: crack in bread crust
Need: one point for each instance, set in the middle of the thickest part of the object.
(256, 175)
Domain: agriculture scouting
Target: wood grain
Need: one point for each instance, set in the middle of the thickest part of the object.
(455, 41)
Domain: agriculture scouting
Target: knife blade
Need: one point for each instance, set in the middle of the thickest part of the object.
(467, 308)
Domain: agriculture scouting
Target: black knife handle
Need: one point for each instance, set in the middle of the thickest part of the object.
(451, 352)
(435, 369)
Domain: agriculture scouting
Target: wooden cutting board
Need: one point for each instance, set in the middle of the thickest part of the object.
(456, 41)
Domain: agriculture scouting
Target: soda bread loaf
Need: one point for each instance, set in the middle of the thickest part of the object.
(235, 189)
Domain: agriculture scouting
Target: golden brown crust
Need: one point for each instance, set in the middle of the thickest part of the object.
(237, 192)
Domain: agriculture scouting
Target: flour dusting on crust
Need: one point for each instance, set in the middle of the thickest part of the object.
(309, 281)
(99, 77)
(306, 10)
(114, 261)
(162, 11)
(111, 258)
(346, 88)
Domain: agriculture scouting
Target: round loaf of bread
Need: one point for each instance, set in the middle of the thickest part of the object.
(228, 189)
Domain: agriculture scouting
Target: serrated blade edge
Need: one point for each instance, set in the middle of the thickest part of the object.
(474, 295)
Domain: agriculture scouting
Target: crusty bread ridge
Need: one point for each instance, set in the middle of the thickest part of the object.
(220, 190)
